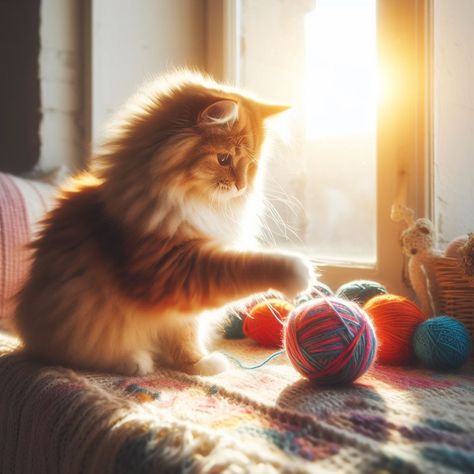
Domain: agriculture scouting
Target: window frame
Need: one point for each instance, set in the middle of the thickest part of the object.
(404, 165)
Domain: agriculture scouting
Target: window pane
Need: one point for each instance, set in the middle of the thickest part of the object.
(320, 57)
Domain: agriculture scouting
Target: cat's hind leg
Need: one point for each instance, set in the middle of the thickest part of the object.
(181, 346)
(139, 362)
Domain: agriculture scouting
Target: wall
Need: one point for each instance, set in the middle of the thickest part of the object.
(61, 78)
(454, 117)
(134, 40)
(95, 53)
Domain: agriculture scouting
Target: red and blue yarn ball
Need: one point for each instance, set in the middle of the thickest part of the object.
(442, 343)
(330, 341)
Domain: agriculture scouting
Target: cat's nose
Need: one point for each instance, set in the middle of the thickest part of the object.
(239, 185)
(240, 175)
(240, 181)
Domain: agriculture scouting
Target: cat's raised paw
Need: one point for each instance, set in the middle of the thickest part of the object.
(297, 275)
(210, 364)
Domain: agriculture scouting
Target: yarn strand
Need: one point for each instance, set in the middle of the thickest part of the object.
(257, 366)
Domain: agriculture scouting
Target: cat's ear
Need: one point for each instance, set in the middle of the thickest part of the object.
(221, 112)
(267, 110)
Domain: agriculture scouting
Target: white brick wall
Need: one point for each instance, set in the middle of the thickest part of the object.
(131, 41)
(60, 65)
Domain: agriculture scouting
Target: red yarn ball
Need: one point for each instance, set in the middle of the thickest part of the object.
(395, 319)
(264, 323)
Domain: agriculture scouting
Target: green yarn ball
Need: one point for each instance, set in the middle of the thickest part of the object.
(442, 343)
(317, 291)
(360, 291)
(303, 298)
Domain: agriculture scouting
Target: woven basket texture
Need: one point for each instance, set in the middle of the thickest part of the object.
(451, 290)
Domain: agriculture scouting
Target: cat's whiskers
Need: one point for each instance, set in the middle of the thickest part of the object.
(292, 203)
(287, 231)
(266, 233)
(282, 226)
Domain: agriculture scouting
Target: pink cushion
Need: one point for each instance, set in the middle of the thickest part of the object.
(22, 204)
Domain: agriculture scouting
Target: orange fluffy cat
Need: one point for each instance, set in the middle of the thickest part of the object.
(139, 246)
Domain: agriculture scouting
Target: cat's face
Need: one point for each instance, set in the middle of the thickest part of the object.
(182, 140)
(224, 163)
(209, 141)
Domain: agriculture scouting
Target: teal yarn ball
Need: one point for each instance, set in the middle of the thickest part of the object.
(303, 298)
(360, 291)
(442, 343)
(318, 290)
(233, 324)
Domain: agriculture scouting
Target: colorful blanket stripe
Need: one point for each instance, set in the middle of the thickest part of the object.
(269, 420)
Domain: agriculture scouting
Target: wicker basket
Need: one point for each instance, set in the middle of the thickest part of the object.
(451, 290)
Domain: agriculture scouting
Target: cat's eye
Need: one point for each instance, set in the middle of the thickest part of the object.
(224, 159)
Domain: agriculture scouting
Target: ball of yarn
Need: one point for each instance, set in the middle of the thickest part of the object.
(236, 313)
(264, 324)
(320, 289)
(316, 291)
(442, 343)
(395, 319)
(233, 323)
(330, 340)
(360, 291)
(303, 298)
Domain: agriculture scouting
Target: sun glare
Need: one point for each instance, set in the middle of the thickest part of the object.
(340, 69)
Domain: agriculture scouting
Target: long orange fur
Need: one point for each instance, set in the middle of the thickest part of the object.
(141, 244)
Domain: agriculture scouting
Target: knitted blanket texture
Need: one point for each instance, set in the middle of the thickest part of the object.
(267, 420)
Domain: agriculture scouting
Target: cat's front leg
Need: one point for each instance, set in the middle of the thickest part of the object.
(194, 276)
(294, 274)
(237, 275)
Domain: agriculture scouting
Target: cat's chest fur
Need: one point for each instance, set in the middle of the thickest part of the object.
(226, 224)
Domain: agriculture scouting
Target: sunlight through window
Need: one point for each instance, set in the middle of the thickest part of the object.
(340, 68)
(319, 56)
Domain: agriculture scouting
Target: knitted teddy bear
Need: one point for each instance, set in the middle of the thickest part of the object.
(418, 242)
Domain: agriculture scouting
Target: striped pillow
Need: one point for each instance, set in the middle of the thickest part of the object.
(22, 203)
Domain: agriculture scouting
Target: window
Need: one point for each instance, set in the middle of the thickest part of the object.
(357, 139)
(322, 178)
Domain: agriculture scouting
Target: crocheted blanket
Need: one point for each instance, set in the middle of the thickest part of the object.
(267, 420)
